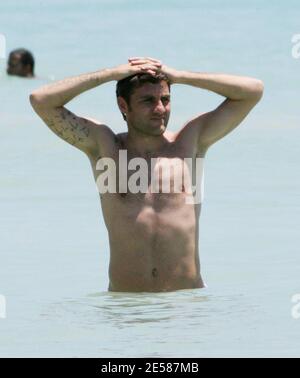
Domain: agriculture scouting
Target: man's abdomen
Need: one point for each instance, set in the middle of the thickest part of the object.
(155, 250)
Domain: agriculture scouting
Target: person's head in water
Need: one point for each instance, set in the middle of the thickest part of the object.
(20, 63)
(144, 101)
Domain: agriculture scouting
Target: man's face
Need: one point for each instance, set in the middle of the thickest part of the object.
(16, 67)
(149, 109)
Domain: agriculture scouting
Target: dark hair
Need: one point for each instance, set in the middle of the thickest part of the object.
(26, 57)
(126, 87)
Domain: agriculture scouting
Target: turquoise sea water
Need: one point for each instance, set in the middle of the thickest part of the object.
(54, 248)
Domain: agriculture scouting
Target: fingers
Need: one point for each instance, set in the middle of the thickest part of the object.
(152, 70)
(145, 64)
(143, 60)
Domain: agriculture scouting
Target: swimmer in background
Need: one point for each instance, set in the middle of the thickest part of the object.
(20, 63)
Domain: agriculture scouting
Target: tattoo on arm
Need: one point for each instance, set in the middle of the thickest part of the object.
(69, 127)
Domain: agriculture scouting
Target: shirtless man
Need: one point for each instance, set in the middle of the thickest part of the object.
(153, 236)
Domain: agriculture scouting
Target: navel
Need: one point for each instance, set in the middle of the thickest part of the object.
(154, 272)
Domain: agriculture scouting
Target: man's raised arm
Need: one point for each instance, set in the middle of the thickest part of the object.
(48, 102)
(242, 94)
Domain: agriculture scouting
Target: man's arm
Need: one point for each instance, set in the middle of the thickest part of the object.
(85, 134)
(242, 94)
(48, 102)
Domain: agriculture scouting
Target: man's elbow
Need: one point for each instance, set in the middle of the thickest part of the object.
(35, 101)
(38, 102)
(256, 90)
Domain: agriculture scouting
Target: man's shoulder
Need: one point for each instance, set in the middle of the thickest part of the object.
(101, 129)
(120, 139)
(122, 135)
(105, 137)
(186, 140)
(98, 125)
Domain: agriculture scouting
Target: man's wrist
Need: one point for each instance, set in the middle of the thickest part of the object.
(175, 76)
(120, 72)
(106, 75)
(179, 77)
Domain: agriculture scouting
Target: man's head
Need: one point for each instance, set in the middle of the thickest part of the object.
(20, 63)
(144, 101)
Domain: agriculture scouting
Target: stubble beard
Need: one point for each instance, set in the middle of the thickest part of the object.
(149, 130)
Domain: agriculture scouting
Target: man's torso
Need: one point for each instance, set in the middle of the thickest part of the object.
(153, 236)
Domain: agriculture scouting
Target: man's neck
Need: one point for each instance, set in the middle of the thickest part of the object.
(143, 144)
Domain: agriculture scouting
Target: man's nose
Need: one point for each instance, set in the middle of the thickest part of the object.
(160, 108)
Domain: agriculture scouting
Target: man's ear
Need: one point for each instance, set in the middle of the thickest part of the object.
(28, 70)
(122, 105)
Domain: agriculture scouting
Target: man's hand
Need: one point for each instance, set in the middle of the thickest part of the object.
(153, 67)
(136, 66)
